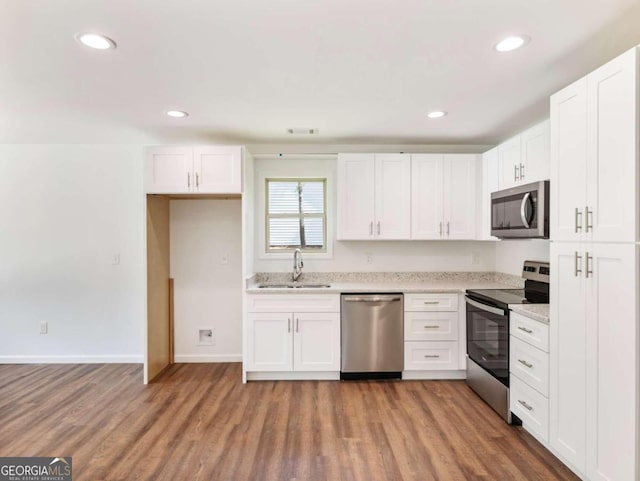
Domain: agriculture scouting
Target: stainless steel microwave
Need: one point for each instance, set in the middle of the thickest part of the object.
(521, 212)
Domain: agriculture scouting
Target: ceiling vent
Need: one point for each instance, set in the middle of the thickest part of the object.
(302, 131)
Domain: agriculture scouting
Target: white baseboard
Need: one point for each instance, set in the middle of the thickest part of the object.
(114, 359)
(433, 375)
(186, 358)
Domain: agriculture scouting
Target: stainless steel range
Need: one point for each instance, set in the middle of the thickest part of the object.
(488, 334)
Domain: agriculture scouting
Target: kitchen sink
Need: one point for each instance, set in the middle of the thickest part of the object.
(293, 286)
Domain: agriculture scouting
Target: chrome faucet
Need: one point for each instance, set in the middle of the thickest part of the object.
(297, 264)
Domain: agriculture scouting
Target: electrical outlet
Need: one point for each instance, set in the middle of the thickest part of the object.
(369, 258)
(44, 327)
(205, 337)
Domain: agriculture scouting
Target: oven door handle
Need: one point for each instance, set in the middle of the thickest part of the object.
(485, 307)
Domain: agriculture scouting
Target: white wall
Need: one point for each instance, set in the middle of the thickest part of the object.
(67, 210)
(510, 254)
(207, 292)
(347, 256)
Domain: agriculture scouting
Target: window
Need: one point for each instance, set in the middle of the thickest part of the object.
(296, 215)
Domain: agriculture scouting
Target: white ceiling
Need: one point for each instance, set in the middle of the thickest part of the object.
(361, 71)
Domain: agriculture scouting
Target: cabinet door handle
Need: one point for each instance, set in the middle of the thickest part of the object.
(521, 171)
(528, 331)
(197, 180)
(432, 302)
(431, 356)
(432, 327)
(588, 269)
(297, 325)
(575, 264)
(586, 215)
(288, 324)
(578, 220)
(526, 406)
(378, 227)
(188, 180)
(440, 229)
(447, 228)
(371, 228)
(515, 173)
(525, 363)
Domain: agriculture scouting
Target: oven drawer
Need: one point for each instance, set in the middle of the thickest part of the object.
(533, 332)
(531, 407)
(530, 365)
(430, 355)
(431, 326)
(431, 302)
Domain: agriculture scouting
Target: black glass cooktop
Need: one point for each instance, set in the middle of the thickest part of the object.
(503, 297)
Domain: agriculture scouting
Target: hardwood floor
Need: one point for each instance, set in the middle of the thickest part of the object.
(198, 422)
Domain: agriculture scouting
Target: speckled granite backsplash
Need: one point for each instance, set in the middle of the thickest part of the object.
(362, 277)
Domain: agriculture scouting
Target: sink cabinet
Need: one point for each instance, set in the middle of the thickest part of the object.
(293, 333)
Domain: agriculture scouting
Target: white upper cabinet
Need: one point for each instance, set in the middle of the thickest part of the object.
(443, 196)
(374, 200)
(594, 155)
(524, 158)
(568, 180)
(393, 196)
(459, 210)
(169, 169)
(509, 162)
(217, 169)
(194, 170)
(489, 184)
(426, 196)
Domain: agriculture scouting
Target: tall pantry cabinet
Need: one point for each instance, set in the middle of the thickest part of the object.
(594, 273)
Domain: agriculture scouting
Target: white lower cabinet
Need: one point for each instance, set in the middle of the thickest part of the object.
(531, 407)
(431, 332)
(529, 374)
(280, 339)
(594, 359)
(430, 355)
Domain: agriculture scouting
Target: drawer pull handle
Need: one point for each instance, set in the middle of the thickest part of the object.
(432, 302)
(432, 356)
(525, 363)
(528, 331)
(432, 327)
(526, 406)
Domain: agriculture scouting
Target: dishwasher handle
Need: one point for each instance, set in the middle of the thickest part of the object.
(372, 299)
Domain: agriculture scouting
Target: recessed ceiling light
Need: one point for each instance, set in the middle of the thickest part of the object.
(511, 43)
(94, 40)
(436, 114)
(177, 114)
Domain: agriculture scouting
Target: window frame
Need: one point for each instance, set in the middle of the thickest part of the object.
(267, 216)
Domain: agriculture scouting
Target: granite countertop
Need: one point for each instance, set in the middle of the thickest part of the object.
(538, 312)
(406, 282)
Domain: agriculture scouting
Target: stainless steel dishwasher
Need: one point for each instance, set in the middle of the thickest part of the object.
(372, 336)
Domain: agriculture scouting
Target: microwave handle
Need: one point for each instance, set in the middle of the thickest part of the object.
(523, 210)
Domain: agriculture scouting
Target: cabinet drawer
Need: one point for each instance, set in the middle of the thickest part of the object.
(431, 302)
(531, 331)
(430, 355)
(531, 407)
(431, 326)
(293, 303)
(530, 364)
